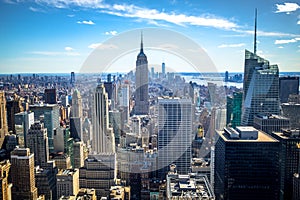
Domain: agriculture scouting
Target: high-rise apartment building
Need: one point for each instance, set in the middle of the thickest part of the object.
(3, 119)
(50, 117)
(289, 159)
(4, 181)
(37, 142)
(288, 85)
(103, 140)
(22, 175)
(141, 106)
(174, 134)
(246, 165)
(67, 182)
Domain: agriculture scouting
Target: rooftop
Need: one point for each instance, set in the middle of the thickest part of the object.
(261, 136)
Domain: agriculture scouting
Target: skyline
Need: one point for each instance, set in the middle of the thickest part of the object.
(44, 36)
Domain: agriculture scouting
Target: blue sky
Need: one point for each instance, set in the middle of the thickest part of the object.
(58, 35)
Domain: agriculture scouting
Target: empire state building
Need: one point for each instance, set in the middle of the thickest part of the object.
(141, 83)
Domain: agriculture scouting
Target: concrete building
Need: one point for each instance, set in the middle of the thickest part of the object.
(67, 182)
(45, 180)
(246, 165)
(3, 118)
(99, 172)
(22, 175)
(37, 142)
(4, 181)
(78, 154)
(270, 123)
(189, 186)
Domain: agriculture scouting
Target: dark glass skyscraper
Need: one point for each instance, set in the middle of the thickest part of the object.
(246, 165)
(288, 85)
(141, 83)
(261, 88)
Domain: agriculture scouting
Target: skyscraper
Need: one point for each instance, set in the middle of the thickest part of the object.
(103, 140)
(50, 112)
(50, 96)
(163, 69)
(37, 142)
(261, 86)
(23, 121)
(3, 121)
(288, 85)
(174, 134)
(141, 83)
(289, 159)
(22, 175)
(72, 77)
(234, 109)
(76, 104)
(246, 165)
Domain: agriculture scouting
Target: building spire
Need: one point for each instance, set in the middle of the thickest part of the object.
(255, 30)
(142, 50)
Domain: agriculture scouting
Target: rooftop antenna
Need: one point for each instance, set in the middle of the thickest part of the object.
(142, 50)
(255, 30)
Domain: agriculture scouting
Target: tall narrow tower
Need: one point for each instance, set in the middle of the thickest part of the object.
(103, 139)
(141, 83)
(3, 119)
(261, 86)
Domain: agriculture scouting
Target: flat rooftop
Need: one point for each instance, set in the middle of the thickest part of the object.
(262, 137)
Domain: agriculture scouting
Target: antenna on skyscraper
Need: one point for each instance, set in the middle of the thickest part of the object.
(142, 41)
(255, 30)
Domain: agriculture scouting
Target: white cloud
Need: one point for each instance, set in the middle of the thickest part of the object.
(86, 22)
(287, 7)
(102, 46)
(111, 33)
(231, 45)
(298, 22)
(34, 9)
(54, 53)
(69, 49)
(71, 15)
(280, 47)
(132, 11)
(286, 41)
(94, 45)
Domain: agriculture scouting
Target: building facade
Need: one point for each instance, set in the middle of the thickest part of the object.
(246, 165)
(261, 88)
(141, 106)
(174, 134)
(22, 175)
